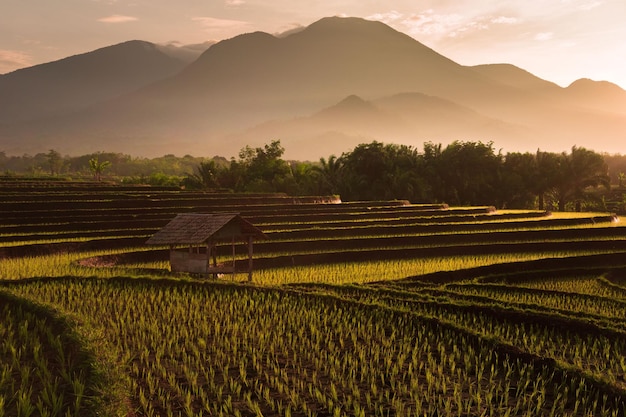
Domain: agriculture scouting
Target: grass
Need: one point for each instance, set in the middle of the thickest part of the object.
(59, 265)
(374, 271)
(341, 339)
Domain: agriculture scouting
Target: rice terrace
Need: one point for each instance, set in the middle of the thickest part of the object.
(368, 308)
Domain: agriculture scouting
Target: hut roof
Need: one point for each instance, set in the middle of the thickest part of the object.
(198, 228)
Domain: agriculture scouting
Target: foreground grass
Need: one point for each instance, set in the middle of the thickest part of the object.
(302, 342)
(45, 368)
(65, 264)
(59, 265)
(192, 348)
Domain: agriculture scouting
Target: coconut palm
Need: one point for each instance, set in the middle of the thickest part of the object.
(97, 168)
(329, 172)
(205, 176)
(579, 170)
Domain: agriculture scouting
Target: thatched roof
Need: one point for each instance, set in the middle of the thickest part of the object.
(197, 228)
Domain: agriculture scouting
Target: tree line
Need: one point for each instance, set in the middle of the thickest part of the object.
(461, 173)
(166, 170)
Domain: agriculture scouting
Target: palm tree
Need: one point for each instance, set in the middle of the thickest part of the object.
(96, 167)
(579, 170)
(205, 176)
(545, 175)
(329, 172)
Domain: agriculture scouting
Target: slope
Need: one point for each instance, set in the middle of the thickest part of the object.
(82, 80)
(277, 83)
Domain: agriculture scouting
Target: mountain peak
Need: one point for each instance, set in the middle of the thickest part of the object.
(350, 107)
(342, 22)
(353, 27)
(246, 43)
(602, 95)
(352, 101)
(587, 83)
(83, 80)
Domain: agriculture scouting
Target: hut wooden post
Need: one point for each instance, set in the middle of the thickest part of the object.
(233, 247)
(249, 258)
(214, 254)
(208, 259)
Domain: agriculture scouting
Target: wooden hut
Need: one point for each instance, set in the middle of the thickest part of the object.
(193, 240)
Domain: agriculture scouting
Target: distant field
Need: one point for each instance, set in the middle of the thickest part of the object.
(377, 308)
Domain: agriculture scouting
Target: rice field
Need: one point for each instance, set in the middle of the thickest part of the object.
(355, 309)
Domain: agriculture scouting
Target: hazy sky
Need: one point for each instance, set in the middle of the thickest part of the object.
(559, 40)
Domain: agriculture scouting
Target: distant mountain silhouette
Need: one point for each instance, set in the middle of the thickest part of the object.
(320, 90)
(515, 77)
(79, 81)
(600, 95)
(185, 53)
(410, 118)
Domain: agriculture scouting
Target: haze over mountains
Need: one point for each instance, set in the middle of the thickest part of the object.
(321, 91)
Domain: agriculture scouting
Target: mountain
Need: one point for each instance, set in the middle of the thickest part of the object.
(319, 90)
(79, 81)
(599, 95)
(254, 77)
(513, 76)
(185, 53)
(410, 118)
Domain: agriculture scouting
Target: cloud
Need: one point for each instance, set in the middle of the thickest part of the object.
(424, 23)
(386, 17)
(583, 5)
(11, 60)
(116, 18)
(504, 20)
(213, 23)
(234, 3)
(590, 5)
(431, 24)
(445, 25)
(289, 30)
(543, 36)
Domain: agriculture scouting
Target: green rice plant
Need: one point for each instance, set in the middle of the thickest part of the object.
(388, 270)
(591, 285)
(335, 355)
(33, 380)
(573, 302)
(29, 241)
(301, 341)
(57, 265)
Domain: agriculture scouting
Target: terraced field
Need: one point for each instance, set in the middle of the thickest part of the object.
(357, 309)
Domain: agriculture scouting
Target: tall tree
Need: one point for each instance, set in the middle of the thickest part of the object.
(204, 177)
(376, 171)
(260, 170)
(579, 170)
(468, 173)
(518, 175)
(546, 175)
(55, 162)
(97, 167)
(306, 180)
(328, 174)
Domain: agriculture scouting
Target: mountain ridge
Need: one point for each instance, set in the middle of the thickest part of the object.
(255, 81)
(82, 80)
